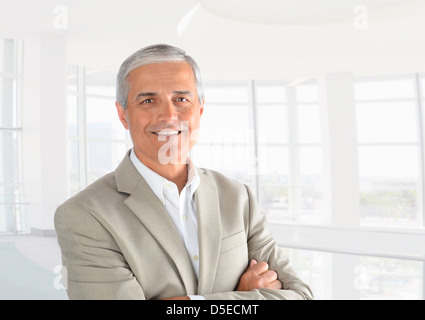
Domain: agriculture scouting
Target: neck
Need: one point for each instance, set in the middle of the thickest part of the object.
(176, 173)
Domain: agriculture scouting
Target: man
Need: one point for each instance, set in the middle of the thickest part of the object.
(158, 227)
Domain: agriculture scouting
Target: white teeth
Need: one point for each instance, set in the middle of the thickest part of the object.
(167, 133)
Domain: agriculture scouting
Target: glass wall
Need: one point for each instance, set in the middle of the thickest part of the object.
(11, 195)
(390, 156)
(267, 135)
(270, 135)
(97, 139)
(367, 278)
(226, 139)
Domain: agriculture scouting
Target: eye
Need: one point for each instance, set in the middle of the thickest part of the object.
(146, 101)
(182, 99)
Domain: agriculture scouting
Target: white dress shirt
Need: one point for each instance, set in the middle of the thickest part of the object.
(181, 208)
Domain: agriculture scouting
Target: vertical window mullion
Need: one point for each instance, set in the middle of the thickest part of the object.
(22, 226)
(82, 126)
(255, 127)
(421, 140)
(294, 155)
(7, 137)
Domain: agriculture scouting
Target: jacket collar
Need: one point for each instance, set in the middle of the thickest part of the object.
(143, 202)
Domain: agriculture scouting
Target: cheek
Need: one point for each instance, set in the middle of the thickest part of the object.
(194, 130)
(197, 121)
(137, 130)
(137, 122)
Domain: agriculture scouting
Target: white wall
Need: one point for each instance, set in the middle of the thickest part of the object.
(44, 125)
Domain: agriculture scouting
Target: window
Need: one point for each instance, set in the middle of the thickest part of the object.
(97, 140)
(344, 276)
(385, 278)
(226, 139)
(12, 218)
(312, 267)
(306, 153)
(266, 135)
(389, 141)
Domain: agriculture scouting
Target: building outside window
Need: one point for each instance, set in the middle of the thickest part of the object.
(390, 156)
(266, 135)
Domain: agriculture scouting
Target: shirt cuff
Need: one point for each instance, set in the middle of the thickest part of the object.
(196, 297)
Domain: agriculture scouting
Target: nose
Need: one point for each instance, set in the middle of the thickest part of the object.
(167, 112)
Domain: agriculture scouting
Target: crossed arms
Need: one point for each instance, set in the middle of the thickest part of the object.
(257, 276)
(111, 257)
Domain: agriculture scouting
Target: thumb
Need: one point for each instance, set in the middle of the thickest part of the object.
(253, 261)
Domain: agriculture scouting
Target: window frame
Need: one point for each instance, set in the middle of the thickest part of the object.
(420, 143)
(81, 138)
(19, 203)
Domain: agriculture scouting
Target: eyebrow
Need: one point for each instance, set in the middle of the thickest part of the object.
(184, 92)
(151, 94)
(145, 94)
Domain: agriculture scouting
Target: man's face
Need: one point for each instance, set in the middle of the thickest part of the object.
(163, 112)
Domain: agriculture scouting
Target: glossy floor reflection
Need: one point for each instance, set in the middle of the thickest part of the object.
(29, 268)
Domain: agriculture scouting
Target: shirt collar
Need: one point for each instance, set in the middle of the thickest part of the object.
(193, 179)
(157, 182)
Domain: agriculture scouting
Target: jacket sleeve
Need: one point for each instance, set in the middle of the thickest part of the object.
(95, 267)
(262, 247)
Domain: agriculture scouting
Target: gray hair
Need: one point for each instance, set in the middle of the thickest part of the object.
(159, 53)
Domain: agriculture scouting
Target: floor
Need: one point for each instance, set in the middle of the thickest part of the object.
(29, 268)
(43, 251)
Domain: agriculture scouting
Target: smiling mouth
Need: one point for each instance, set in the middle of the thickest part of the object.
(167, 132)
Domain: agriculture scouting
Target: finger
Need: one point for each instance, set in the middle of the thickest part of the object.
(269, 275)
(253, 261)
(259, 267)
(275, 285)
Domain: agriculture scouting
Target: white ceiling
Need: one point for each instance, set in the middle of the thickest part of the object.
(296, 12)
(235, 39)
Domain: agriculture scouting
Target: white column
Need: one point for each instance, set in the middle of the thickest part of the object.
(340, 172)
(340, 149)
(294, 154)
(44, 130)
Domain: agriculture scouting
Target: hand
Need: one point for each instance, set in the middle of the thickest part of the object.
(258, 276)
(177, 298)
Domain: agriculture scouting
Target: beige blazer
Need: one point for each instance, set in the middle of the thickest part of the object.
(118, 242)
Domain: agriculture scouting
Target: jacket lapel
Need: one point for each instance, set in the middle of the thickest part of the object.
(209, 232)
(143, 202)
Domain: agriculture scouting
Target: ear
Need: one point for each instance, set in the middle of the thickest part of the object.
(122, 114)
(201, 109)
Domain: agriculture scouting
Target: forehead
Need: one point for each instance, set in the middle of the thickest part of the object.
(162, 74)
